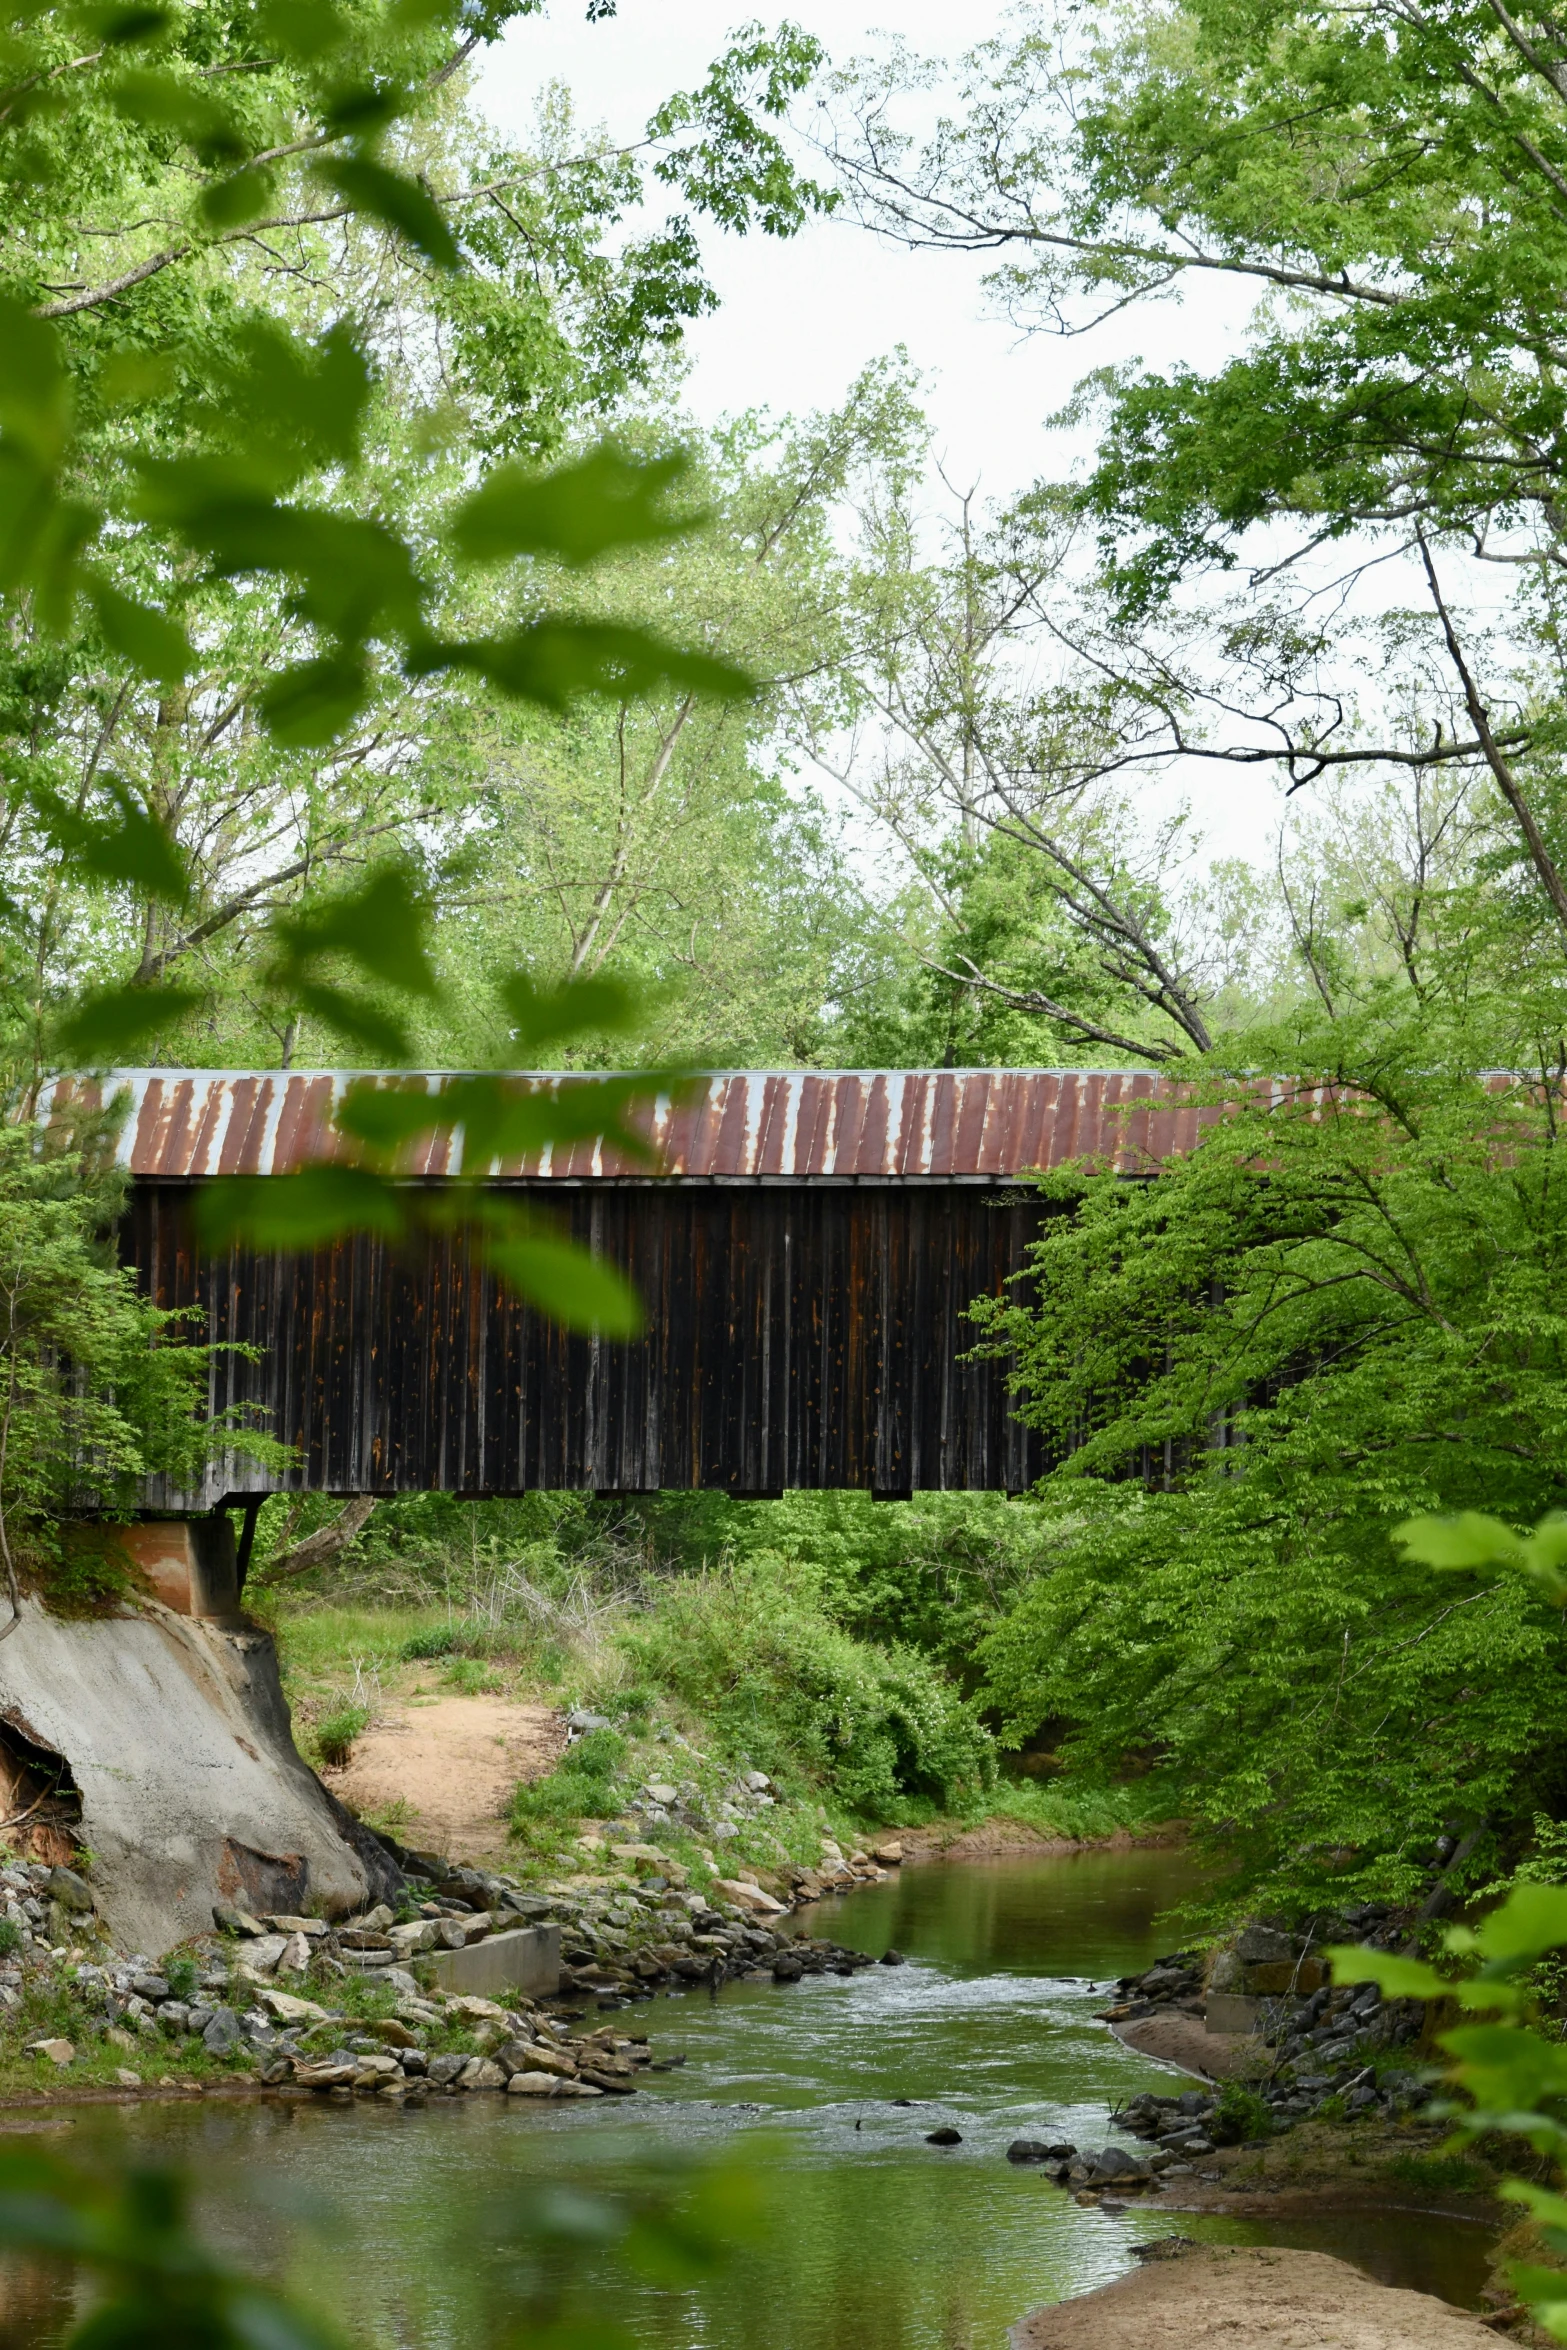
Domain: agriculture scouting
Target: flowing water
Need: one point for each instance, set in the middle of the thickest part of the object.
(821, 2093)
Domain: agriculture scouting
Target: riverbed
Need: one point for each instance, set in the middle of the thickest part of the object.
(808, 2106)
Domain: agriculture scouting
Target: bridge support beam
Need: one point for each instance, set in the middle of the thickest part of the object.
(191, 1563)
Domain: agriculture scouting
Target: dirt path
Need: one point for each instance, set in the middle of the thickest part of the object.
(1250, 2299)
(451, 1764)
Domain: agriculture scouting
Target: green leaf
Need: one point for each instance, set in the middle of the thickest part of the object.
(357, 575)
(1472, 1540)
(1395, 1977)
(379, 926)
(558, 662)
(1531, 1921)
(304, 29)
(108, 1024)
(133, 849)
(34, 394)
(385, 1116)
(545, 1016)
(303, 1211)
(1469, 1540)
(399, 204)
(126, 377)
(577, 513)
(165, 101)
(356, 1018)
(122, 26)
(148, 639)
(244, 195)
(311, 703)
(505, 1119)
(568, 1284)
(304, 403)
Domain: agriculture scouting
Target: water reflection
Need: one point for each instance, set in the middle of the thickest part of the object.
(868, 2235)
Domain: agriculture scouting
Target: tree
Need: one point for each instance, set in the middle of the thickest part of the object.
(188, 133)
(1394, 182)
(1004, 730)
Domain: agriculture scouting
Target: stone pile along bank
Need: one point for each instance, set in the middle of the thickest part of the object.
(262, 1997)
(1323, 2051)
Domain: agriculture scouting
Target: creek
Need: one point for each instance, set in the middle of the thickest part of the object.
(863, 2232)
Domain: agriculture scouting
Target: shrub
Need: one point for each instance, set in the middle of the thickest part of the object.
(428, 1645)
(750, 1649)
(180, 1975)
(1241, 2115)
(336, 1732)
(581, 1786)
(10, 1937)
(471, 1675)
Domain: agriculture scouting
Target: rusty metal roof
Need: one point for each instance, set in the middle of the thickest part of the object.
(783, 1125)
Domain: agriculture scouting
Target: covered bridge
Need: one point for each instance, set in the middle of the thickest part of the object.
(805, 1249)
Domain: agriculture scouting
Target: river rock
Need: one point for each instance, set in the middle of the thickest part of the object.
(61, 2052)
(1035, 2150)
(893, 1958)
(945, 2136)
(70, 1891)
(326, 2072)
(538, 2059)
(222, 2036)
(230, 1920)
(287, 2007)
(1264, 1946)
(1115, 2166)
(419, 1935)
(443, 2069)
(749, 1896)
(481, 2072)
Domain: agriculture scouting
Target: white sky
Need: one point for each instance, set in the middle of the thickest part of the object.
(798, 320)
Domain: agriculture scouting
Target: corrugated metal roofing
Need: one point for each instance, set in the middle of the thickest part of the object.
(974, 1125)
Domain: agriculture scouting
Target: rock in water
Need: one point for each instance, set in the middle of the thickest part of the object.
(945, 2136)
(893, 1958)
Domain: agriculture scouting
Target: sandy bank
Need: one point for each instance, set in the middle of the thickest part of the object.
(1172, 2038)
(1250, 2299)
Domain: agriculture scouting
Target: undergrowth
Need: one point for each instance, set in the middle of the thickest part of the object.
(674, 1616)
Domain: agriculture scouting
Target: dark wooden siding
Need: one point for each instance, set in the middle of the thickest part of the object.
(797, 1335)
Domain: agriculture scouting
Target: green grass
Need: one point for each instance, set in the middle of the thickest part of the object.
(1452, 2173)
(472, 1676)
(335, 1732)
(1057, 1808)
(581, 1787)
(317, 1643)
